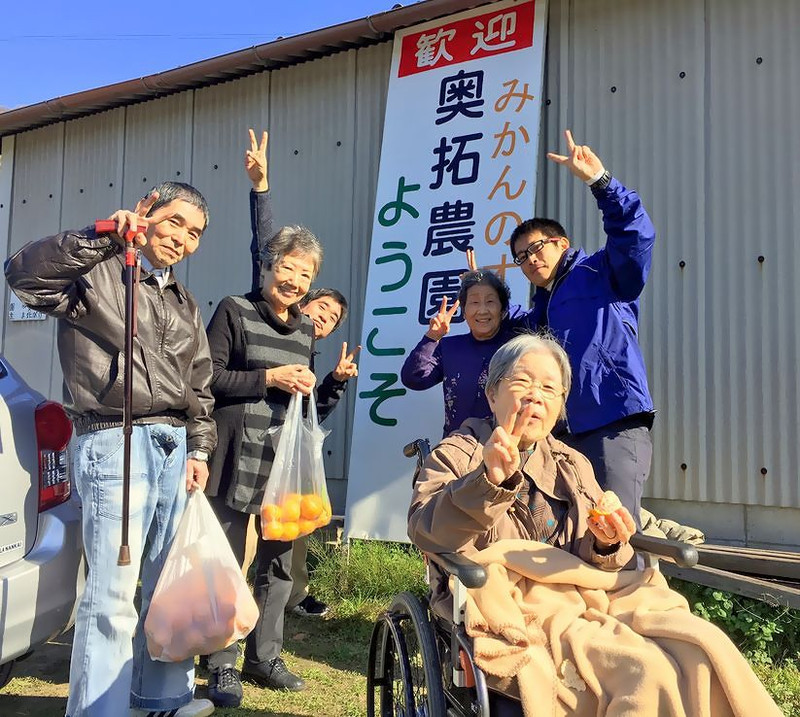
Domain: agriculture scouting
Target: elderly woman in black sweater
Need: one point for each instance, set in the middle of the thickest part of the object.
(261, 347)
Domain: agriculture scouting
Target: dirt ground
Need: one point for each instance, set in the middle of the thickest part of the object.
(329, 654)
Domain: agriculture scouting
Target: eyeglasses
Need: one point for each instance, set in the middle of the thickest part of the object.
(532, 249)
(522, 386)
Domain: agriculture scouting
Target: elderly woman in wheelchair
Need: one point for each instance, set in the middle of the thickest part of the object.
(557, 628)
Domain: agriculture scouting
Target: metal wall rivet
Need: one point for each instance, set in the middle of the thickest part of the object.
(682, 75)
(339, 143)
(614, 89)
(761, 259)
(548, 102)
(216, 166)
(681, 263)
(297, 151)
(763, 471)
(684, 466)
(759, 60)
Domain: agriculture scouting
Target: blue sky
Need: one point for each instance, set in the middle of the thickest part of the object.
(50, 48)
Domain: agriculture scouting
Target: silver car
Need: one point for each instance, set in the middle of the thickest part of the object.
(41, 559)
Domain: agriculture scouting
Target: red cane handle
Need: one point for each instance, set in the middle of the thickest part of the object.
(108, 226)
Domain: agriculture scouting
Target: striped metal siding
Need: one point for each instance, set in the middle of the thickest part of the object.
(222, 116)
(674, 100)
(30, 346)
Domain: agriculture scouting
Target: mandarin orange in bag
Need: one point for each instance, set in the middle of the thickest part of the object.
(311, 506)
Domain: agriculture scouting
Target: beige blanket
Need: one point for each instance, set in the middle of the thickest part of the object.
(576, 640)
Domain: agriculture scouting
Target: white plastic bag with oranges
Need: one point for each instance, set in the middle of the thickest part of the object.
(202, 602)
(296, 499)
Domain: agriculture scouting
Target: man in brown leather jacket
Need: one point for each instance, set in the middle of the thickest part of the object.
(76, 276)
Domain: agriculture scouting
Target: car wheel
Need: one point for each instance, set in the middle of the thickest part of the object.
(5, 673)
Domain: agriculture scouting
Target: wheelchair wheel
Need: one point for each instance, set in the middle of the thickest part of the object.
(404, 667)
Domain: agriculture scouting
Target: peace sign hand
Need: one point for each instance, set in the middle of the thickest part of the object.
(471, 263)
(440, 323)
(346, 368)
(126, 220)
(255, 162)
(501, 451)
(582, 162)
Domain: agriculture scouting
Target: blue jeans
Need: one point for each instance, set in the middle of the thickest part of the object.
(110, 668)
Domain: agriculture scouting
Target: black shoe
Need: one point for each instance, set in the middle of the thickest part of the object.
(225, 687)
(274, 675)
(309, 606)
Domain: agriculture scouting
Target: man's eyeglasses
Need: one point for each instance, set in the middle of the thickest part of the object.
(522, 386)
(532, 249)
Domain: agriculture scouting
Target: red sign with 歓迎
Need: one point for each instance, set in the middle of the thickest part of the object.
(492, 33)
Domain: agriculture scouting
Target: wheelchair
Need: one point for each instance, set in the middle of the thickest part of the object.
(421, 665)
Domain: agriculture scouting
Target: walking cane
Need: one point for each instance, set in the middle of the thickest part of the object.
(106, 226)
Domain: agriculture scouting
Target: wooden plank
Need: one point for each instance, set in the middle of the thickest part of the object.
(771, 563)
(771, 593)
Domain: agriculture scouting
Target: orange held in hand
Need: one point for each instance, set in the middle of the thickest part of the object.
(607, 505)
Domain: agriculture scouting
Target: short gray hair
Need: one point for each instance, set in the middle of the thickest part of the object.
(509, 354)
(291, 239)
(174, 191)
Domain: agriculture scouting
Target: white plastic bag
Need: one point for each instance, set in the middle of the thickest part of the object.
(202, 602)
(296, 498)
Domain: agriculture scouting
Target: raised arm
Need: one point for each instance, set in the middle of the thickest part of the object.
(261, 220)
(629, 231)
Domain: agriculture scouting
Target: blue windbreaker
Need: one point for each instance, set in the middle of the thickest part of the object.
(593, 310)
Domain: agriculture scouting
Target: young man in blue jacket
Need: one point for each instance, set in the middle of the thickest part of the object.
(591, 304)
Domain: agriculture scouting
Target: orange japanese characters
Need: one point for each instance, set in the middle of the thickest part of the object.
(294, 515)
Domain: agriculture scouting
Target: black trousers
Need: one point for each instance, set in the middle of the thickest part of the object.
(621, 454)
(273, 585)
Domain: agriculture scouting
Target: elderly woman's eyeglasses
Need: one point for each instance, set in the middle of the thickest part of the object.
(532, 249)
(524, 387)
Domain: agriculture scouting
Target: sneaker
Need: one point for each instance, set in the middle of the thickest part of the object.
(309, 606)
(225, 687)
(195, 708)
(274, 675)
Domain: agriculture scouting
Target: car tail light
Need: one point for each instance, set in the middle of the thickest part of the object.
(53, 431)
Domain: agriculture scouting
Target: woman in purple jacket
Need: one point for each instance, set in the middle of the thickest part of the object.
(461, 363)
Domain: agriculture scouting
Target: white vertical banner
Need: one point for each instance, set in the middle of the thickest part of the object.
(457, 171)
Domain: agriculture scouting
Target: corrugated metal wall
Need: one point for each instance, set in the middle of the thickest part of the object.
(693, 103)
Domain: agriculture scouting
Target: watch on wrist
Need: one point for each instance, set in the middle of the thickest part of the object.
(602, 183)
(198, 456)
